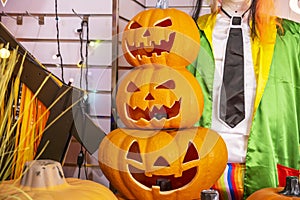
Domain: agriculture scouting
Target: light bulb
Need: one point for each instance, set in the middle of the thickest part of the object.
(55, 56)
(4, 53)
(92, 43)
(80, 64)
(294, 5)
(77, 30)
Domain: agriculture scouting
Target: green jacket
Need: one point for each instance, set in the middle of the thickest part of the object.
(275, 132)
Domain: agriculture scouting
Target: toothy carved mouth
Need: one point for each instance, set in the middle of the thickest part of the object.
(176, 182)
(140, 50)
(158, 113)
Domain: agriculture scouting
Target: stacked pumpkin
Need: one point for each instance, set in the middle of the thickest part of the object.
(159, 154)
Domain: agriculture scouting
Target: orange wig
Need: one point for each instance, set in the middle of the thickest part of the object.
(262, 17)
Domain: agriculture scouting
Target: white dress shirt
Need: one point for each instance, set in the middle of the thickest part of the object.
(235, 138)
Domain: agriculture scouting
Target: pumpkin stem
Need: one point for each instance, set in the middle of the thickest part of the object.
(164, 184)
(42, 174)
(292, 187)
(163, 4)
(209, 195)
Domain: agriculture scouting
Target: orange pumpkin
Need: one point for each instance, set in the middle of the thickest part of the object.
(162, 164)
(163, 36)
(44, 179)
(156, 96)
(290, 192)
(271, 193)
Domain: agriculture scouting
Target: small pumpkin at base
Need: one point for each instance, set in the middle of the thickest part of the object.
(270, 193)
(290, 192)
(44, 179)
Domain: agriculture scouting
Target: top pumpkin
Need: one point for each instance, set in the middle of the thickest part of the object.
(162, 36)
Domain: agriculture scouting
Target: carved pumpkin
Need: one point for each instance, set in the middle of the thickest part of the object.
(163, 36)
(162, 164)
(290, 192)
(44, 179)
(155, 97)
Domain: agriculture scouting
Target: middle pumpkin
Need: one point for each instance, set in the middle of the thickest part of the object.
(159, 97)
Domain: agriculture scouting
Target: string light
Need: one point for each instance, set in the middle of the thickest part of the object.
(80, 64)
(4, 53)
(92, 43)
(58, 41)
(71, 80)
(77, 30)
(294, 5)
(83, 61)
(4, 2)
(55, 56)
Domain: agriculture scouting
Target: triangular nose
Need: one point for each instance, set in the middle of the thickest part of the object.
(149, 97)
(161, 162)
(147, 33)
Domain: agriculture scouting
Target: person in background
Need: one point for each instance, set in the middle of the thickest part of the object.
(264, 141)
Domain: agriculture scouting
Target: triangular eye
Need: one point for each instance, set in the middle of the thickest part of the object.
(164, 23)
(161, 162)
(170, 84)
(191, 153)
(134, 152)
(134, 25)
(132, 87)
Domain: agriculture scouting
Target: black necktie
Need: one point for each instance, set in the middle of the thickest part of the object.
(232, 98)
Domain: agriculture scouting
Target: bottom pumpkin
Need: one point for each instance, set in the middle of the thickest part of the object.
(44, 179)
(162, 164)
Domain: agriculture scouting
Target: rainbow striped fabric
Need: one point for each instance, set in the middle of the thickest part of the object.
(230, 185)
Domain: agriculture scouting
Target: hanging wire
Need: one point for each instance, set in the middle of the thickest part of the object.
(40, 18)
(58, 43)
(83, 61)
(197, 9)
(81, 53)
(86, 55)
(163, 4)
(83, 58)
(85, 164)
(77, 14)
(86, 100)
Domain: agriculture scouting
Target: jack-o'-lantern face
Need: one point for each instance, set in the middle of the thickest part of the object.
(158, 107)
(163, 36)
(155, 97)
(171, 164)
(166, 176)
